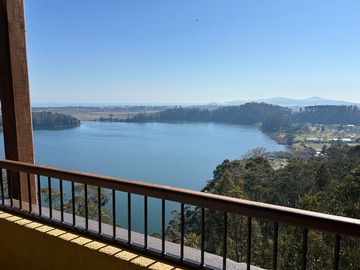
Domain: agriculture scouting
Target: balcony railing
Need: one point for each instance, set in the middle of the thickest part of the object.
(47, 180)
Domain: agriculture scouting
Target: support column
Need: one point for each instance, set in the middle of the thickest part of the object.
(14, 93)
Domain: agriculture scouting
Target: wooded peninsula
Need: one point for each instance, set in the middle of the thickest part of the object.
(48, 120)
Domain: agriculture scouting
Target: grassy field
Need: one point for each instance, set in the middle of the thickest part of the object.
(95, 113)
(94, 116)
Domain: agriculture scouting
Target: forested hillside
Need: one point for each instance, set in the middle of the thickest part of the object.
(48, 120)
(273, 118)
(328, 184)
(328, 114)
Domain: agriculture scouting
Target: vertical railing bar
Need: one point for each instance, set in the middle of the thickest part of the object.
(61, 201)
(86, 207)
(50, 198)
(276, 239)
(337, 252)
(145, 222)
(225, 240)
(39, 195)
(305, 240)
(248, 260)
(202, 237)
(19, 190)
(114, 212)
(10, 189)
(129, 218)
(2, 187)
(99, 209)
(29, 192)
(162, 227)
(182, 218)
(73, 202)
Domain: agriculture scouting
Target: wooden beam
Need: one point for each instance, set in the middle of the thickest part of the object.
(14, 91)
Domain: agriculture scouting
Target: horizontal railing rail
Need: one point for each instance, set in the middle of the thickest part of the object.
(336, 225)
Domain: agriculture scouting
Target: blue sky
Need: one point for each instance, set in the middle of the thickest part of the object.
(192, 51)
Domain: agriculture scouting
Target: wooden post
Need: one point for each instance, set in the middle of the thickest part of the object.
(14, 94)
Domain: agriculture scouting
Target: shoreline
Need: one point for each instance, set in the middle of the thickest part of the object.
(277, 138)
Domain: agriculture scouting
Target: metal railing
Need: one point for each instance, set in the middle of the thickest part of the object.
(43, 178)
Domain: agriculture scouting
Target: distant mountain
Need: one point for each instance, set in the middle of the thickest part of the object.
(290, 102)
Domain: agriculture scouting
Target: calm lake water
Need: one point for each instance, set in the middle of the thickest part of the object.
(174, 154)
